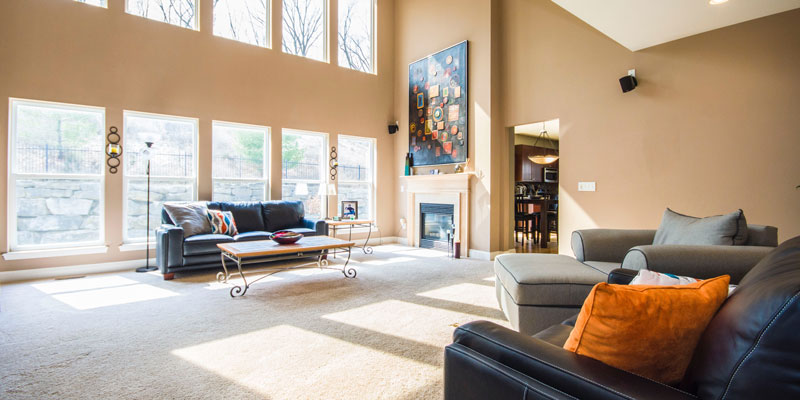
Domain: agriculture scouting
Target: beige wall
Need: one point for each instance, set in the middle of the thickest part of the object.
(712, 127)
(59, 50)
(424, 27)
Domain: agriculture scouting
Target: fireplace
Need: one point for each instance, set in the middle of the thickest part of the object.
(436, 225)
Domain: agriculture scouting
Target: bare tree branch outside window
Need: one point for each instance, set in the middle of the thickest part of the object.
(242, 20)
(355, 34)
(176, 12)
(304, 28)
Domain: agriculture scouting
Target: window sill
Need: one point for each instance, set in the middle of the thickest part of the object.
(136, 246)
(70, 251)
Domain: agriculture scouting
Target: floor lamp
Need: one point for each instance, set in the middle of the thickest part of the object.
(147, 268)
(325, 190)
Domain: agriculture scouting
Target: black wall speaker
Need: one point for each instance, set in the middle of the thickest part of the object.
(628, 83)
(394, 127)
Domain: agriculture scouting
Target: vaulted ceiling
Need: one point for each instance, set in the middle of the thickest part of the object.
(638, 24)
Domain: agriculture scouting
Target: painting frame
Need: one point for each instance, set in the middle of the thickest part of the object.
(439, 83)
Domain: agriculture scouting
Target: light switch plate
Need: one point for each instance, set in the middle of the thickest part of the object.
(587, 186)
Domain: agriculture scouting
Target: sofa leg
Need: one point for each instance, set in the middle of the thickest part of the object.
(170, 276)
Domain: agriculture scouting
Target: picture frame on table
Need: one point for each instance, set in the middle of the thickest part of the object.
(349, 209)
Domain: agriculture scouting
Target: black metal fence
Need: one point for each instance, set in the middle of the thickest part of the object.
(52, 159)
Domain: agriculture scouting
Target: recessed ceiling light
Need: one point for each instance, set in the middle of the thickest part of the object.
(716, 2)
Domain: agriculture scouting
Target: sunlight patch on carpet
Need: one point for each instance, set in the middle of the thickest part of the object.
(236, 280)
(289, 362)
(96, 298)
(420, 323)
(466, 293)
(75, 285)
(387, 261)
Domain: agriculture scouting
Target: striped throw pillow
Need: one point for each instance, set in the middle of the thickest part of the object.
(222, 222)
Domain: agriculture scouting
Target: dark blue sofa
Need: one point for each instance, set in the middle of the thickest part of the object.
(254, 221)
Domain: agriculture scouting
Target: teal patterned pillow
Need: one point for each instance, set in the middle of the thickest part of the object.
(222, 222)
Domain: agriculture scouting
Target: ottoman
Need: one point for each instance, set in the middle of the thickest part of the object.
(536, 291)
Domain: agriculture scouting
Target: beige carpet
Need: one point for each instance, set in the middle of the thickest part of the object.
(299, 334)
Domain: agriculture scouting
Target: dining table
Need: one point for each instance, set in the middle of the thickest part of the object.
(541, 205)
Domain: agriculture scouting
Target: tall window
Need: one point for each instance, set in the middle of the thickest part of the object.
(305, 27)
(56, 176)
(182, 13)
(239, 168)
(303, 169)
(173, 168)
(98, 3)
(356, 173)
(356, 37)
(243, 20)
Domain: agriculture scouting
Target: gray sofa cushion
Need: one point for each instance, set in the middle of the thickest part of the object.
(729, 229)
(204, 244)
(189, 216)
(546, 279)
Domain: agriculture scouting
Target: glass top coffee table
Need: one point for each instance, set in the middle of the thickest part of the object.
(263, 251)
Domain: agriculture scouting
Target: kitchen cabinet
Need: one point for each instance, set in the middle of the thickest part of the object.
(525, 169)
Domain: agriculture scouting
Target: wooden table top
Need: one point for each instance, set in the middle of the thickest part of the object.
(268, 247)
(349, 222)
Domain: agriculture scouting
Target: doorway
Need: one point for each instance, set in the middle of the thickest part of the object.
(536, 159)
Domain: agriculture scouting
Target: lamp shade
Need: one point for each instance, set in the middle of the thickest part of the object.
(327, 189)
(544, 158)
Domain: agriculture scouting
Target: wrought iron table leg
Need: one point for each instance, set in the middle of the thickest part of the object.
(239, 290)
(367, 249)
(334, 236)
(348, 272)
(223, 278)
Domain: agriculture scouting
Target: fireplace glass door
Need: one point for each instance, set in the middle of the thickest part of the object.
(436, 228)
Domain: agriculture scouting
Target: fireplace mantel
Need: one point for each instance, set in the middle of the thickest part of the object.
(442, 189)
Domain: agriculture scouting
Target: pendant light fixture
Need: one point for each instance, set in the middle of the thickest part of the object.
(545, 155)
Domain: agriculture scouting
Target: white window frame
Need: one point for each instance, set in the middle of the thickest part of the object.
(266, 170)
(126, 177)
(326, 23)
(268, 28)
(14, 176)
(322, 169)
(371, 182)
(196, 26)
(372, 42)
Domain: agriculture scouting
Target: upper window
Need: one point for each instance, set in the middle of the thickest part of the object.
(356, 34)
(239, 168)
(182, 13)
(305, 27)
(243, 20)
(56, 177)
(171, 162)
(303, 171)
(356, 173)
(98, 3)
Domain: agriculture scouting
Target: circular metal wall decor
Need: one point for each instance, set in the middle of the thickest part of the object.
(333, 163)
(113, 150)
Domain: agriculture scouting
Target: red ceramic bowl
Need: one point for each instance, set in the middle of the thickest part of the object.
(286, 237)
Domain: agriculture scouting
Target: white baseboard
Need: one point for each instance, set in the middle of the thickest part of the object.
(401, 240)
(72, 270)
(485, 255)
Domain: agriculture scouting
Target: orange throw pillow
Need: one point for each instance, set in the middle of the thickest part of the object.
(650, 331)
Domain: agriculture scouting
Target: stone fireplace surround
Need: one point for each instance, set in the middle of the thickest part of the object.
(440, 189)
